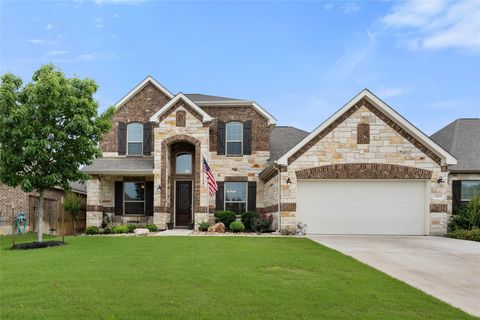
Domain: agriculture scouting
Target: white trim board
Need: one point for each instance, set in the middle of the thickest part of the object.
(205, 116)
(140, 86)
(446, 157)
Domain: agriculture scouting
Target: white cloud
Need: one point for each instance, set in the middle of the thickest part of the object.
(57, 52)
(447, 104)
(87, 57)
(49, 27)
(349, 7)
(99, 23)
(328, 6)
(116, 15)
(36, 41)
(437, 24)
(388, 92)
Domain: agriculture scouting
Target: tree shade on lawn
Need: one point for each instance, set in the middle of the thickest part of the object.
(202, 278)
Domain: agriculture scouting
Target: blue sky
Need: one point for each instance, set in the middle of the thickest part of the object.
(300, 60)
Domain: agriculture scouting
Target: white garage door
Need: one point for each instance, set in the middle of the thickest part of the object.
(362, 207)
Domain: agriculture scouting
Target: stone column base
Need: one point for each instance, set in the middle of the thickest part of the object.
(161, 219)
(438, 223)
(94, 218)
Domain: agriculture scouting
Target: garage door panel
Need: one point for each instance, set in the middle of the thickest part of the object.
(362, 207)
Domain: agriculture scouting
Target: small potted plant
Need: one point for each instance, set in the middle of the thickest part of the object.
(203, 226)
(170, 225)
(190, 225)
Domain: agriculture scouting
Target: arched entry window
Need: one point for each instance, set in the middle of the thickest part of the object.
(183, 163)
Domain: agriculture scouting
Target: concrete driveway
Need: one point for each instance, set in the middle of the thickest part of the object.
(448, 269)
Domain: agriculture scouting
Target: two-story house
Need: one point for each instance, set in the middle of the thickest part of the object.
(365, 169)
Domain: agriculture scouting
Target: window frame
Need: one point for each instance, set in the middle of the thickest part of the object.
(227, 141)
(462, 199)
(191, 162)
(141, 141)
(136, 201)
(225, 195)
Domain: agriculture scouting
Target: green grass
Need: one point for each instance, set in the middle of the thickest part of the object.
(202, 278)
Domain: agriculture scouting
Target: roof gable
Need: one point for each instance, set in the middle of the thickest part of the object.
(140, 86)
(205, 116)
(386, 113)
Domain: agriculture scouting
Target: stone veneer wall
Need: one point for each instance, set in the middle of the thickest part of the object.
(386, 146)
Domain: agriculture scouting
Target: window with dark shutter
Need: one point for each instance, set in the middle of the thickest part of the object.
(149, 198)
(118, 197)
(147, 138)
(456, 195)
(221, 137)
(219, 198)
(247, 137)
(122, 138)
(252, 196)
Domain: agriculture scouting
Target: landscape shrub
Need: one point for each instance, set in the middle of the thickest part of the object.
(108, 230)
(203, 226)
(225, 217)
(237, 226)
(473, 235)
(467, 217)
(263, 223)
(121, 229)
(131, 228)
(247, 219)
(287, 231)
(152, 227)
(92, 230)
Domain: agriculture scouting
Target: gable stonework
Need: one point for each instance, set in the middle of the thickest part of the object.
(389, 145)
(138, 108)
(181, 118)
(260, 128)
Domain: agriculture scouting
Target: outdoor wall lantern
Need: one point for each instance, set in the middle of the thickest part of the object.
(289, 182)
(159, 188)
(440, 180)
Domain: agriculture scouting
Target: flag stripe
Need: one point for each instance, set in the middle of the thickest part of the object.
(212, 183)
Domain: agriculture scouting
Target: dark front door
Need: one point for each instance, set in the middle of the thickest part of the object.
(183, 203)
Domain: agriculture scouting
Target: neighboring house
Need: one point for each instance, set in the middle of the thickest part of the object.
(462, 139)
(27, 202)
(365, 170)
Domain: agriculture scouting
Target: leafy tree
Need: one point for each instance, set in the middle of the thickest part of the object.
(49, 128)
(73, 205)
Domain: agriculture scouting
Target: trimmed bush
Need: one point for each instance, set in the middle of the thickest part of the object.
(203, 226)
(287, 231)
(92, 230)
(108, 230)
(131, 228)
(237, 226)
(247, 219)
(473, 235)
(152, 227)
(121, 229)
(225, 217)
(263, 223)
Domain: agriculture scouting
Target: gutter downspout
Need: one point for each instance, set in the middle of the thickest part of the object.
(279, 195)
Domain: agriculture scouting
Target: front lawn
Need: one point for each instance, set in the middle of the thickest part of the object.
(202, 278)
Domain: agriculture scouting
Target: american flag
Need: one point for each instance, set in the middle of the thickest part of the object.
(212, 183)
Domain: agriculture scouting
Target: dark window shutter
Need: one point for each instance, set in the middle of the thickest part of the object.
(221, 137)
(147, 138)
(122, 138)
(456, 195)
(247, 137)
(252, 196)
(118, 197)
(220, 196)
(149, 198)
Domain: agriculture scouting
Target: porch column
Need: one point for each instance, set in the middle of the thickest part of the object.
(94, 208)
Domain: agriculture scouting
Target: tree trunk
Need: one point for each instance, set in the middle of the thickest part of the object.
(40, 216)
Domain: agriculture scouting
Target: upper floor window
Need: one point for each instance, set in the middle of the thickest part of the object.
(234, 138)
(183, 164)
(135, 139)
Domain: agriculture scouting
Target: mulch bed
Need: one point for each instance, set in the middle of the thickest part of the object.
(37, 245)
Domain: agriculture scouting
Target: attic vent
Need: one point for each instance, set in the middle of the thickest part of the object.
(363, 133)
(181, 118)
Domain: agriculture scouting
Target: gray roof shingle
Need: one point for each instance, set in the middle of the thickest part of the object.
(461, 138)
(196, 97)
(120, 164)
(282, 139)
